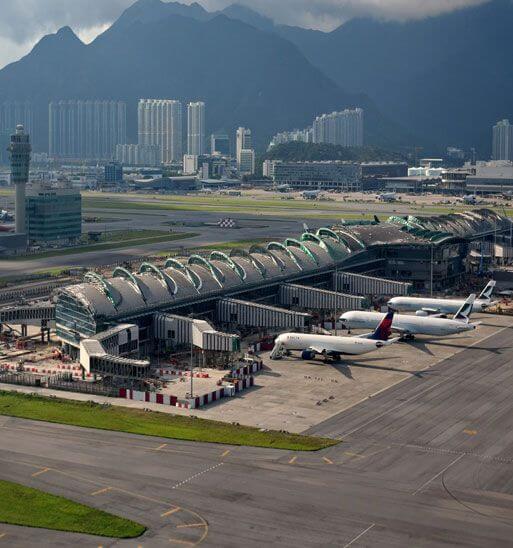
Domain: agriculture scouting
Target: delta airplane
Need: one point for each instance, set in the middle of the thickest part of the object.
(409, 326)
(426, 306)
(333, 347)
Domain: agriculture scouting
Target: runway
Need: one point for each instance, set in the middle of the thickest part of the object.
(428, 462)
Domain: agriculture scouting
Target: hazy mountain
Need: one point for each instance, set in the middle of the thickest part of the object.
(249, 16)
(448, 77)
(246, 76)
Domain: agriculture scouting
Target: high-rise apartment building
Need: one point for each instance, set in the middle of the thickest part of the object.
(13, 113)
(139, 155)
(160, 123)
(247, 161)
(503, 141)
(88, 129)
(243, 140)
(219, 145)
(343, 128)
(196, 128)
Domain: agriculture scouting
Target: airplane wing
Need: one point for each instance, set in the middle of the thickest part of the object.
(323, 350)
(431, 310)
(401, 330)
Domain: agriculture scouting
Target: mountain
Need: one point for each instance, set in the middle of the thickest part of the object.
(245, 75)
(249, 16)
(448, 77)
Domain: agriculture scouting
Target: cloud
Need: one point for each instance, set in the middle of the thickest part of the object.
(24, 22)
(329, 14)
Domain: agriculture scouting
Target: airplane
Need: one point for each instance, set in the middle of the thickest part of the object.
(427, 306)
(409, 325)
(331, 346)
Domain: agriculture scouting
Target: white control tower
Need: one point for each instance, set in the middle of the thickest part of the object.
(19, 150)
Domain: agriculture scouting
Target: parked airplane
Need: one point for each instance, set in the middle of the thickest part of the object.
(409, 326)
(427, 306)
(331, 346)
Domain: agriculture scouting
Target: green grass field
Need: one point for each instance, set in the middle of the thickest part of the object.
(20, 505)
(163, 425)
(116, 243)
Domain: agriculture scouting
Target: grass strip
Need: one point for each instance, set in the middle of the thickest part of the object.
(20, 505)
(164, 425)
(166, 237)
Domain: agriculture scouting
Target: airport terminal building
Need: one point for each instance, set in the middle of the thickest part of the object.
(407, 249)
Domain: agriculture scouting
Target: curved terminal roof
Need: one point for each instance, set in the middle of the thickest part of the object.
(180, 280)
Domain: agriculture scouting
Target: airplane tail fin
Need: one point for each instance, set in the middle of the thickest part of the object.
(384, 329)
(486, 294)
(465, 310)
(376, 219)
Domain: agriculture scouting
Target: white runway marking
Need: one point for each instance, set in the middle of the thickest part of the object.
(438, 475)
(359, 536)
(197, 475)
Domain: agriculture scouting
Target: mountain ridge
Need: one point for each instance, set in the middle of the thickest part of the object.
(254, 78)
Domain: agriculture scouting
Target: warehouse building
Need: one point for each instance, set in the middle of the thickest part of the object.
(424, 252)
(343, 176)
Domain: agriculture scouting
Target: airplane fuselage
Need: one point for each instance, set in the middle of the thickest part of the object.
(333, 345)
(413, 325)
(445, 306)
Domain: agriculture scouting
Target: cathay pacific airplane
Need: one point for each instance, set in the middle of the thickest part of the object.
(330, 346)
(410, 325)
(425, 307)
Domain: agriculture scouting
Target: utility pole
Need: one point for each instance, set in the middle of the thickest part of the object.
(431, 284)
(192, 368)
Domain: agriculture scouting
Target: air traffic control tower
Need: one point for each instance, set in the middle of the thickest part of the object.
(19, 151)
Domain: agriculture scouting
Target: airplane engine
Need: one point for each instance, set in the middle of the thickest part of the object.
(421, 313)
(308, 355)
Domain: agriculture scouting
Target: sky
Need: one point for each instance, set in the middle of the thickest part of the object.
(24, 22)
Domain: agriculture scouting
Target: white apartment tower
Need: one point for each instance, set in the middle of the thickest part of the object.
(343, 128)
(196, 128)
(503, 141)
(244, 141)
(86, 129)
(160, 123)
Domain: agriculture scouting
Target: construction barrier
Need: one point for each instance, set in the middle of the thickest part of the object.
(186, 403)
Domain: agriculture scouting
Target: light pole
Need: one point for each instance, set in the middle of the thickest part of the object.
(431, 274)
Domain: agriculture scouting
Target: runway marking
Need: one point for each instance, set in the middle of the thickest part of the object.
(42, 471)
(226, 453)
(359, 536)
(327, 460)
(160, 447)
(169, 512)
(470, 432)
(292, 460)
(184, 542)
(408, 400)
(351, 454)
(184, 525)
(101, 491)
(2, 535)
(187, 480)
(437, 475)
